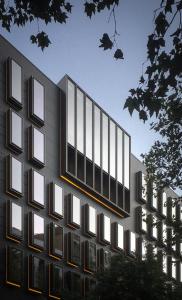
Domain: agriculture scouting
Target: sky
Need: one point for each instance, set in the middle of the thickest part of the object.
(74, 51)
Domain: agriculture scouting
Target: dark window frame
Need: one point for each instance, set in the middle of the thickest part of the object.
(87, 220)
(11, 281)
(36, 119)
(32, 157)
(52, 251)
(101, 258)
(52, 211)
(114, 237)
(70, 249)
(31, 237)
(101, 230)
(9, 230)
(9, 98)
(70, 282)
(9, 189)
(32, 201)
(128, 244)
(9, 143)
(31, 286)
(52, 293)
(87, 259)
(70, 221)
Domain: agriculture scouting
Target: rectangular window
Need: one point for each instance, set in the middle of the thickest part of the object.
(119, 155)
(37, 105)
(15, 83)
(73, 249)
(164, 204)
(56, 200)
(132, 243)
(173, 209)
(71, 114)
(89, 286)
(88, 134)
(14, 136)
(154, 227)
(126, 161)
(165, 263)
(144, 187)
(89, 257)
(173, 240)
(97, 136)
(105, 142)
(154, 196)
(14, 184)
(55, 240)
(104, 259)
(37, 142)
(80, 121)
(14, 218)
(112, 149)
(56, 281)
(118, 236)
(90, 220)
(73, 283)
(143, 219)
(73, 211)
(36, 188)
(14, 266)
(164, 233)
(36, 274)
(173, 267)
(37, 231)
(143, 250)
(105, 229)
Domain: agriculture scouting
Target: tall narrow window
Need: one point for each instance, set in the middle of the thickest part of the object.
(173, 209)
(14, 218)
(97, 135)
(88, 134)
(89, 257)
(15, 83)
(56, 281)
(143, 249)
(37, 105)
(90, 220)
(119, 155)
(71, 113)
(36, 188)
(73, 211)
(118, 236)
(14, 185)
(36, 274)
(37, 231)
(154, 196)
(143, 219)
(73, 282)
(14, 266)
(165, 263)
(133, 243)
(164, 204)
(14, 131)
(104, 259)
(154, 227)
(56, 200)
(105, 142)
(73, 249)
(37, 142)
(80, 121)
(112, 149)
(105, 229)
(130, 243)
(55, 240)
(164, 233)
(173, 267)
(126, 161)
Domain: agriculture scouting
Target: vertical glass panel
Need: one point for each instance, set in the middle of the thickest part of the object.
(180, 271)
(57, 239)
(16, 130)
(164, 204)
(56, 280)
(164, 264)
(38, 191)
(105, 142)
(16, 81)
(16, 219)
(90, 256)
(88, 134)
(14, 266)
(173, 242)
(38, 145)
(132, 242)
(126, 161)
(154, 227)
(80, 121)
(144, 250)
(38, 269)
(38, 105)
(74, 248)
(164, 233)
(107, 229)
(112, 149)
(58, 200)
(76, 210)
(71, 113)
(16, 175)
(173, 209)
(173, 267)
(144, 219)
(154, 196)
(97, 139)
(38, 231)
(144, 187)
(92, 219)
(120, 236)
(119, 155)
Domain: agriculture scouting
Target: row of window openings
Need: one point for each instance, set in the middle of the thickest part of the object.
(158, 201)
(36, 92)
(37, 269)
(91, 131)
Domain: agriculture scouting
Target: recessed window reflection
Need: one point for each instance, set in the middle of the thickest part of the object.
(71, 113)
(119, 155)
(36, 274)
(132, 242)
(56, 240)
(120, 236)
(80, 121)
(154, 227)
(74, 211)
(112, 149)
(15, 82)
(126, 161)
(38, 230)
(88, 134)
(144, 187)
(14, 271)
(56, 200)
(97, 135)
(105, 142)
(154, 196)
(15, 217)
(56, 280)
(90, 256)
(38, 101)
(164, 204)
(105, 229)
(14, 131)
(38, 144)
(38, 186)
(92, 219)
(144, 219)
(73, 243)
(15, 176)
(143, 250)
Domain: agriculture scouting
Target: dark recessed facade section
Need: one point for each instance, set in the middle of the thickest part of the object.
(104, 229)
(36, 189)
(14, 226)
(117, 237)
(56, 196)
(55, 240)
(36, 146)
(103, 259)
(55, 281)
(142, 248)
(36, 232)
(36, 274)
(141, 220)
(14, 176)
(73, 248)
(90, 220)
(73, 283)
(14, 266)
(130, 243)
(90, 257)
(73, 211)
(141, 187)
(153, 227)
(14, 131)
(89, 286)
(14, 83)
(36, 102)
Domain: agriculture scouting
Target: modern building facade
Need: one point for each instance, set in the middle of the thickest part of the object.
(72, 194)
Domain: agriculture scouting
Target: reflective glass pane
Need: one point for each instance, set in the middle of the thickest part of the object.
(16, 219)
(154, 227)
(132, 242)
(71, 113)
(88, 128)
(92, 219)
(16, 175)
(112, 149)
(16, 130)
(120, 237)
(58, 240)
(173, 267)
(58, 199)
(91, 257)
(38, 105)
(173, 209)
(154, 196)
(97, 140)
(80, 121)
(56, 279)
(165, 264)
(16, 81)
(164, 204)
(144, 187)
(144, 250)
(38, 273)
(105, 142)
(126, 161)
(107, 229)
(76, 210)
(38, 192)
(119, 155)
(38, 145)
(180, 271)
(38, 233)
(144, 219)
(75, 249)
(14, 265)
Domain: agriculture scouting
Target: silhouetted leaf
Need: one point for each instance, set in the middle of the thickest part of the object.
(106, 43)
(118, 54)
(89, 9)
